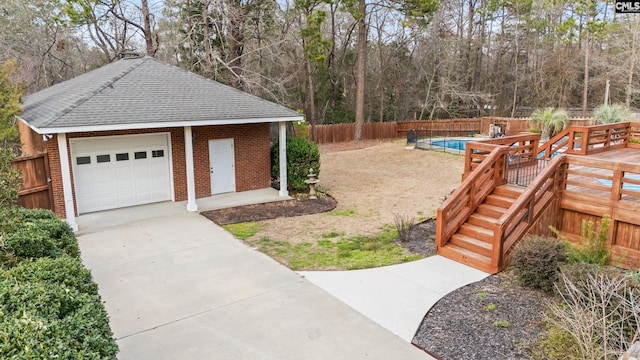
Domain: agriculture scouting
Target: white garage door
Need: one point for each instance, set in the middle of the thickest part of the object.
(118, 171)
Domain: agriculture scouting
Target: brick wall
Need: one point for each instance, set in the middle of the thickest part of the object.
(56, 177)
(30, 141)
(251, 151)
(252, 158)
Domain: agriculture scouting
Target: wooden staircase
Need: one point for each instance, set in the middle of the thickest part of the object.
(472, 244)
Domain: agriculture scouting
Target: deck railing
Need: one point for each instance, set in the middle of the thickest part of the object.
(457, 208)
(586, 140)
(477, 151)
(522, 170)
(526, 210)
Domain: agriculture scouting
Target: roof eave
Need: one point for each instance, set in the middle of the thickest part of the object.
(155, 125)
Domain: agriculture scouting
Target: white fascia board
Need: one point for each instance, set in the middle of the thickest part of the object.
(155, 125)
(30, 126)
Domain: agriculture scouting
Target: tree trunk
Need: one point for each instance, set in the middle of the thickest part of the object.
(148, 32)
(632, 58)
(236, 43)
(208, 57)
(312, 100)
(360, 69)
(515, 86)
(585, 87)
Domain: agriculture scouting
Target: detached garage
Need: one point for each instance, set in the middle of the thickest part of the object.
(139, 131)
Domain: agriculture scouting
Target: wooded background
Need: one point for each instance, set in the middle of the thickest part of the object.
(424, 60)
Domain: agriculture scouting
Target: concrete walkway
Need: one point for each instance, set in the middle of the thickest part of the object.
(180, 287)
(110, 218)
(397, 297)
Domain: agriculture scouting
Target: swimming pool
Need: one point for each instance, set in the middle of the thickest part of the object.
(451, 144)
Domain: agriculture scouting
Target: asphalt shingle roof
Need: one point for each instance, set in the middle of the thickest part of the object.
(143, 91)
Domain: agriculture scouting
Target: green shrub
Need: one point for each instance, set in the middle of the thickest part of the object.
(30, 241)
(61, 234)
(536, 261)
(559, 344)
(36, 237)
(593, 247)
(44, 321)
(302, 155)
(62, 271)
(49, 304)
(301, 129)
(32, 214)
(10, 180)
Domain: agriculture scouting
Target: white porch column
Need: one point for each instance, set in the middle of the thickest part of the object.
(191, 179)
(282, 126)
(67, 189)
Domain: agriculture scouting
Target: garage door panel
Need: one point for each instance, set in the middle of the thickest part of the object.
(103, 201)
(123, 171)
(127, 199)
(128, 175)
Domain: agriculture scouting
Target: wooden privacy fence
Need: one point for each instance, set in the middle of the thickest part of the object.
(345, 132)
(35, 191)
(398, 130)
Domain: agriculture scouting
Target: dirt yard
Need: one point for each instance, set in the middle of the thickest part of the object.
(371, 184)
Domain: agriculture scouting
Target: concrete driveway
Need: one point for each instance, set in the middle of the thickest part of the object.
(180, 287)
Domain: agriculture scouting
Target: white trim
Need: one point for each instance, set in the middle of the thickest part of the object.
(191, 182)
(171, 176)
(67, 189)
(283, 158)
(156, 125)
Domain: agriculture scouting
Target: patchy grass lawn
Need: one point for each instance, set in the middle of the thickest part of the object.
(334, 251)
(372, 186)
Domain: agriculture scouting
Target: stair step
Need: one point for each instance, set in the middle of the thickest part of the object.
(478, 232)
(472, 244)
(500, 200)
(467, 257)
(509, 190)
(491, 210)
(482, 220)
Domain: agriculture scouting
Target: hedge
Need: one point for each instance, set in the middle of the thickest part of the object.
(49, 303)
(37, 237)
(302, 155)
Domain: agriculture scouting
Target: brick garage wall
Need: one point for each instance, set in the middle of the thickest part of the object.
(251, 151)
(56, 177)
(30, 141)
(252, 158)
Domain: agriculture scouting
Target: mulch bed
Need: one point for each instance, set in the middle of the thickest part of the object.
(460, 326)
(273, 210)
(422, 239)
(464, 324)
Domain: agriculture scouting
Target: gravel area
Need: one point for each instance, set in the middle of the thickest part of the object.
(495, 318)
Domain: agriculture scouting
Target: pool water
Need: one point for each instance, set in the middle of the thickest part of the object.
(451, 144)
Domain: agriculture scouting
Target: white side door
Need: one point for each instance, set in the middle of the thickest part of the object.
(222, 166)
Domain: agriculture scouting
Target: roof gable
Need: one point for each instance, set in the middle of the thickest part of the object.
(144, 92)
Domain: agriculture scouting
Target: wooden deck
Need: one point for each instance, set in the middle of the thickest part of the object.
(623, 155)
(586, 173)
